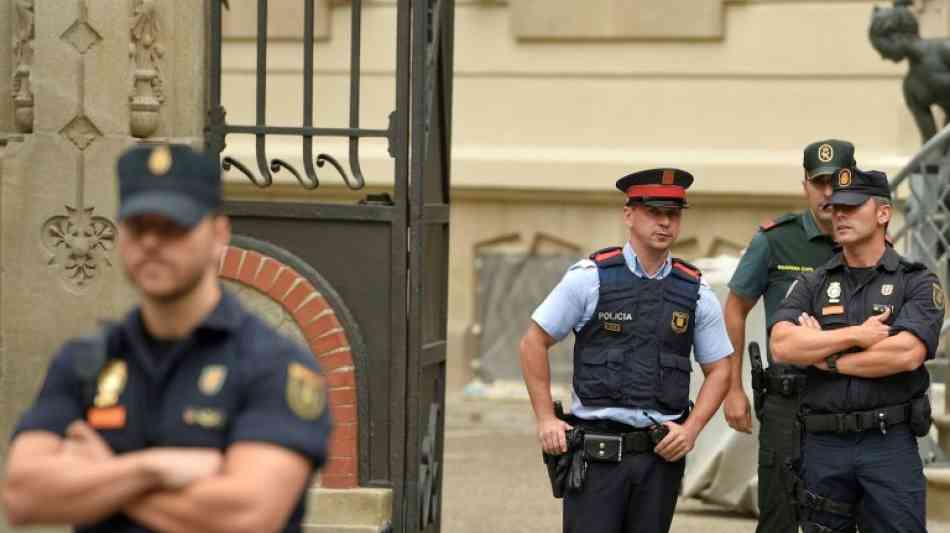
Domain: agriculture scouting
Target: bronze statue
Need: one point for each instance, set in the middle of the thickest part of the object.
(895, 34)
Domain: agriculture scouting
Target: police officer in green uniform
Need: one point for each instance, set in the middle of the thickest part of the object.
(791, 244)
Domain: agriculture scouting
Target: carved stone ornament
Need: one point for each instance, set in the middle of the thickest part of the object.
(79, 245)
(146, 54)
(23, 35)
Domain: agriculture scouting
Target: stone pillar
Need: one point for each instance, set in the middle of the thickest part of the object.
(98, 77)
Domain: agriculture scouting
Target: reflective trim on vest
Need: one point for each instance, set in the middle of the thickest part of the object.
(635, 349)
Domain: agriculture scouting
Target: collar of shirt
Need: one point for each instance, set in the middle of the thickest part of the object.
(889, 261)
(631, 257)
(812, 231)
(224, 318)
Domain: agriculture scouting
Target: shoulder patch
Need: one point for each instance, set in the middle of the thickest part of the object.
(605, 254)
(306, 391)
(776, 222)
(687, 269)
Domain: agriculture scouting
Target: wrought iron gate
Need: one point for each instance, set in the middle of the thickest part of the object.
(387, 255)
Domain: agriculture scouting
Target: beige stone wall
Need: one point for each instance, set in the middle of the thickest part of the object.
(58, 193)
(554, 100)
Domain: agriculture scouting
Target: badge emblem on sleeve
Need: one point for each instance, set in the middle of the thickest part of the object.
(680, 322)
(212, 379)
(305, 392)
(938, 296)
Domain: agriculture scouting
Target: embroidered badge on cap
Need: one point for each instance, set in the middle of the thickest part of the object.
(111, 383)
(212, 379)
(680, 322)
(305, 391)
(844, 177)
(826, 153)
(160, 160)
(938, 296)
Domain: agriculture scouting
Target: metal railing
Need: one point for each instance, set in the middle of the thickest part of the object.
(925, 233)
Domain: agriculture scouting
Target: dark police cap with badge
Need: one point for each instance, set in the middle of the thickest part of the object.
(170, 180)
(827, 157)
(658, 187)
(855, 187)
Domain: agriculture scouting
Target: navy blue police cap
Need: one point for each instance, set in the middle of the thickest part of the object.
(170, 180)
(855, 187)
(658, 187)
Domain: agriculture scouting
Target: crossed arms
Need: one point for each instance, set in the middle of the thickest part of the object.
(251, 487)
(881, 354)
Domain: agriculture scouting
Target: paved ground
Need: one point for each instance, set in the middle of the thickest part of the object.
(494, 481)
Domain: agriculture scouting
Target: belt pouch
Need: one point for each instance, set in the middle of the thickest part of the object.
(603, 448)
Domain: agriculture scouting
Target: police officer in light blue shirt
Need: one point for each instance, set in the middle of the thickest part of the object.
(637, 314)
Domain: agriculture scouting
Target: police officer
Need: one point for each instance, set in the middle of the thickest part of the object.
(864, 322)
(791, 244)
(190, 414)
(636, 313)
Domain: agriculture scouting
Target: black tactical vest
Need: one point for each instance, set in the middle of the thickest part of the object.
(635, 350)
(839, 302)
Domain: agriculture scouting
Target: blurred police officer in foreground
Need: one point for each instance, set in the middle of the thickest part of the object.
(783, 248)
(189, 415)
(636, 313)
(864, 322)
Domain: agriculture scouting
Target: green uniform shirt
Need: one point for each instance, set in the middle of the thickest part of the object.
(788, 246)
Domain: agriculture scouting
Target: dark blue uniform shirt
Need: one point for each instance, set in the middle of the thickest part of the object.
(233, 379)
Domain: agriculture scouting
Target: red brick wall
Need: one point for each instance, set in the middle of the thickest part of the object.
(327, 340)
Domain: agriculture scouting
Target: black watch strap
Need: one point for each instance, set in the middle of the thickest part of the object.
(832, 361)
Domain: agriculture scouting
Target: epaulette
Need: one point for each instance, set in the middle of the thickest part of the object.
(607, 255)
(776, 222)
(912, 266)
(688, 269)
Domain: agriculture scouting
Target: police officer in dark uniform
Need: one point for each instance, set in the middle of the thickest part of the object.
(637, 313)
(864, 323)
(190, 414)
(783, 248)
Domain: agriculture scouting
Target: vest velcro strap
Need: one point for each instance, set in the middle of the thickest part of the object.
(605, 255)
(858, 421)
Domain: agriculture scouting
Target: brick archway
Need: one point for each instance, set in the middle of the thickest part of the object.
(327, 340)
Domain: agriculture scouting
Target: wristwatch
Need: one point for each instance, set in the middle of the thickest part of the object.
(832, 361)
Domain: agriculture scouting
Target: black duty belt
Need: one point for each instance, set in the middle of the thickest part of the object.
(784, 384)
(857, 421)
(636, 441)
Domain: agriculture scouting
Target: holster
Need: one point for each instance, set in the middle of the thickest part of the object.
(759, 385)
(567, 471)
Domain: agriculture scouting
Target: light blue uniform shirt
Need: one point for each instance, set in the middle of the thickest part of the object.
(571, 304)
